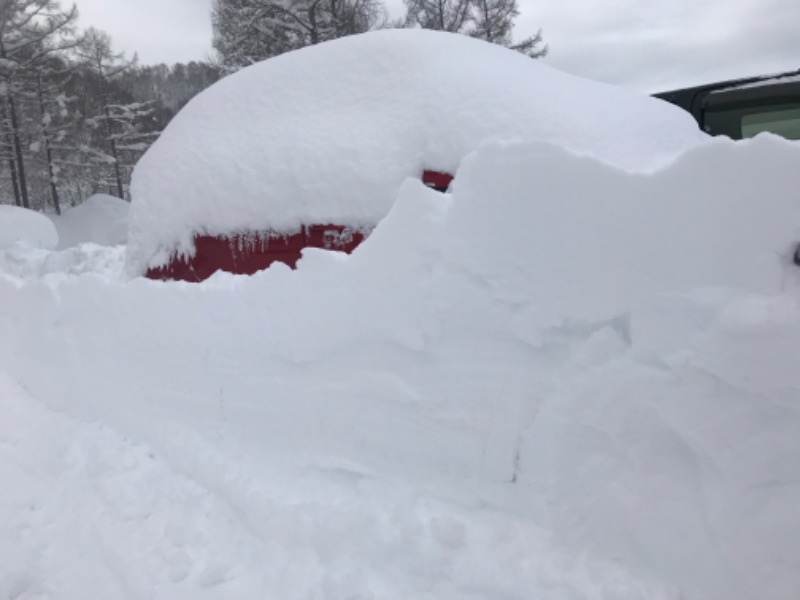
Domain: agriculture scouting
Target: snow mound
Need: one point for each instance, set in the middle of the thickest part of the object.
(20, 226)
(101, 219)
(327, 134)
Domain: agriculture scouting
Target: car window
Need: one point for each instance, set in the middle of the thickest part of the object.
(780, 120)
(743, 108)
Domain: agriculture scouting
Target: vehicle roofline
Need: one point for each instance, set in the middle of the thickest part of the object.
(727, 83)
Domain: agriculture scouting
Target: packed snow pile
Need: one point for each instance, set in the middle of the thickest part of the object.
(328, 134)
(26, 228)
(562, 381)
(101, 219)
(79, 237)
(28, 263)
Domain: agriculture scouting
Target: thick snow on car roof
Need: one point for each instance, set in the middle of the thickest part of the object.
(327, 134)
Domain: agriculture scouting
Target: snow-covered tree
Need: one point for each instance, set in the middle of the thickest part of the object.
(247, 31)
(126, 127)
(493, 21)
(490, 20)
(53, 121)
(169, 87)
(74, 115)
(31, 32)
(454, 16)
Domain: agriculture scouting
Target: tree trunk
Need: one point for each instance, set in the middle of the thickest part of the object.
(13, 122)
(12, 165)
(47, 148)
(22, 182)
(112, 142)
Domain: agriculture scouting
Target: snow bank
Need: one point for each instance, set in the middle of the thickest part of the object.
(100, 219)
(327, 134)
(23, 227)
(593, 395)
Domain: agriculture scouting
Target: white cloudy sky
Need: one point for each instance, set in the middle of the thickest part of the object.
(649, 45)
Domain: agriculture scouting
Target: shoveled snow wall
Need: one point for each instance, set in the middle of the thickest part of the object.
(609, 356)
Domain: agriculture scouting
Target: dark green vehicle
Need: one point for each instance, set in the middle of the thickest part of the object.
(742, 108)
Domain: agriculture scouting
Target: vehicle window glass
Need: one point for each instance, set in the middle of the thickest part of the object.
(785, 123)
(744, 120)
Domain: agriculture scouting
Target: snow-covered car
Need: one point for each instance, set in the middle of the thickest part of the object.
(310, 148)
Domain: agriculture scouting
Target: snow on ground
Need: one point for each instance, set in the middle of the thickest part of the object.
(88, 513)
(23, 228)
(328, 134)
(101, 219)
(561, 381)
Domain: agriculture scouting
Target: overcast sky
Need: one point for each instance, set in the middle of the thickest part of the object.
(649, 45)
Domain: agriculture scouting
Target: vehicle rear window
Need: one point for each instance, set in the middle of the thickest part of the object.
(782, 121)
(743, 113)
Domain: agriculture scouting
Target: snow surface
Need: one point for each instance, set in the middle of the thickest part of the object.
(328, 134)
(101, 219)
(31, 263)
(562, 381)
(22, 227)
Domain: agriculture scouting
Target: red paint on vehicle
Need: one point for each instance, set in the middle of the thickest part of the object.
(246, 254)
(437, 180)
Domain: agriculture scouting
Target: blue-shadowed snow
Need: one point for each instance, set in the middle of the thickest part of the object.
(327, 134)
(562, 381)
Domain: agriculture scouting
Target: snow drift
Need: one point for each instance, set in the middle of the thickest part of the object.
(576, 382)
(27, 228)
(101, 219)
(79, 235)
(327, 134)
